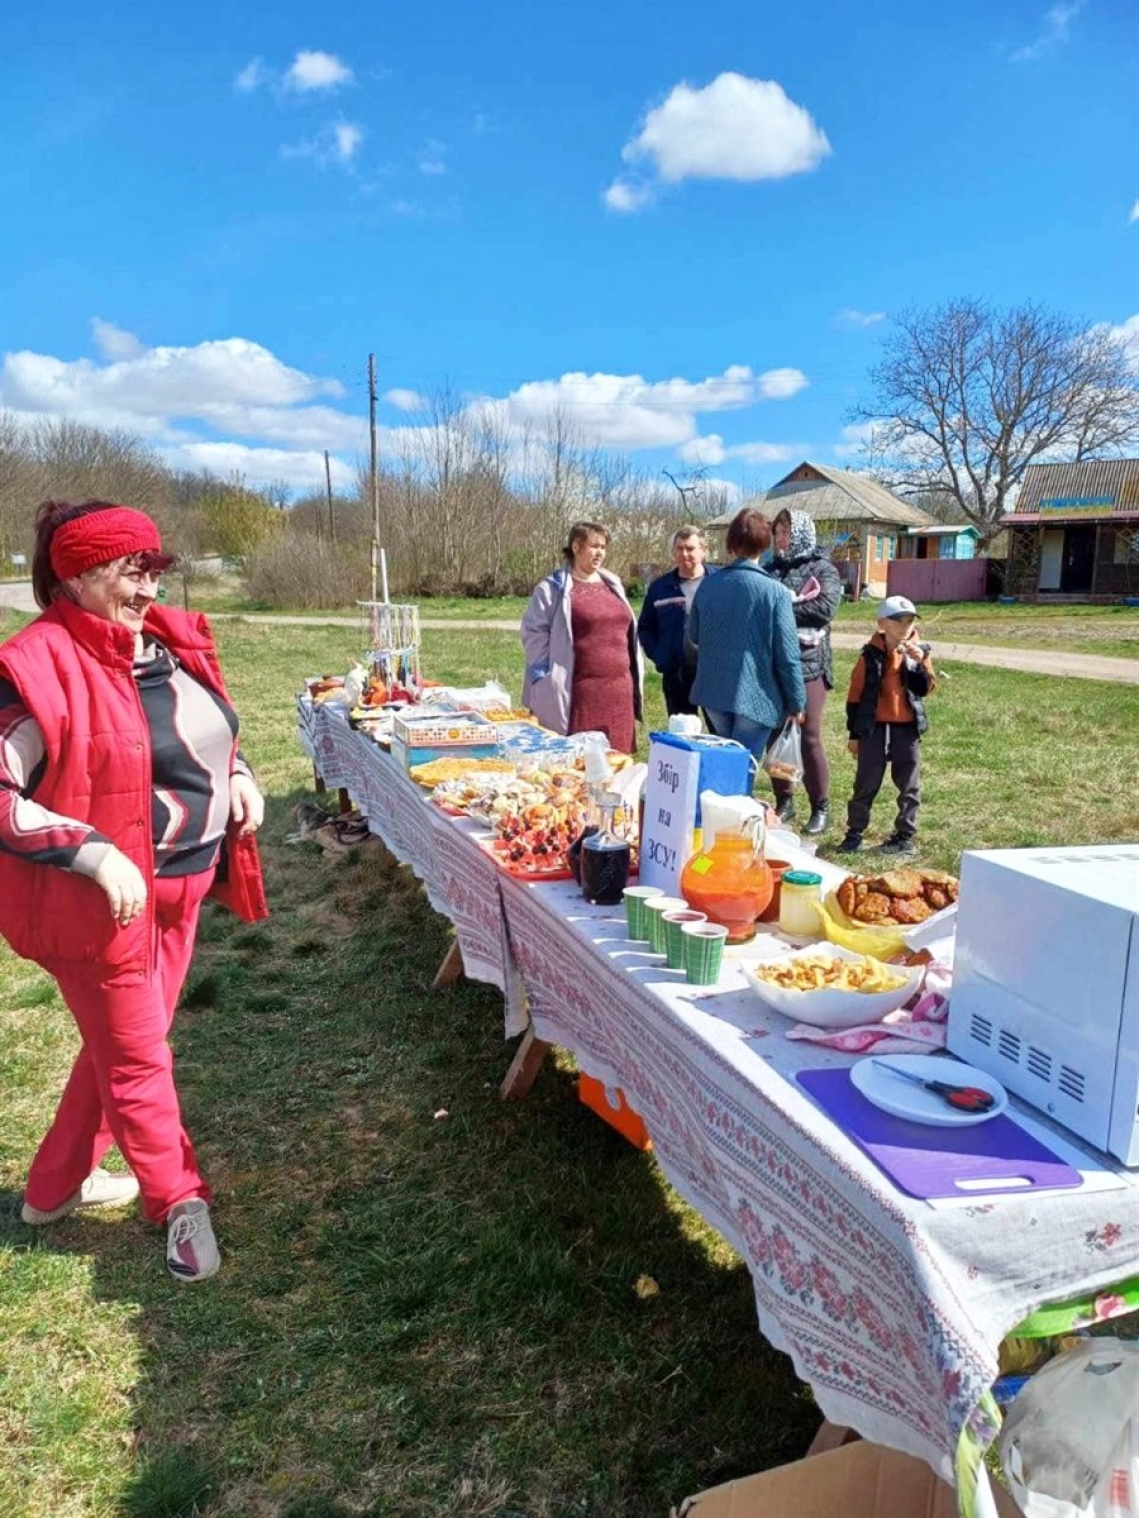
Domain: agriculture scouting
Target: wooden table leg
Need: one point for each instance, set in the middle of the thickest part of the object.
(318, 784)
(451, 969)
(524, 1067)
(830, 1436)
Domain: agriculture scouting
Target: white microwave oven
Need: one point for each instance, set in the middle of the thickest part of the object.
(1046, 984)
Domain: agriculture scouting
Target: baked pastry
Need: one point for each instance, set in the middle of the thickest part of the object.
(901, 897)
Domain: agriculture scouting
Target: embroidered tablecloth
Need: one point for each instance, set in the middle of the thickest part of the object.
(461, 880)
(891, 1308)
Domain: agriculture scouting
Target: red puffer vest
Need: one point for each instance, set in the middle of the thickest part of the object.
(74, 673)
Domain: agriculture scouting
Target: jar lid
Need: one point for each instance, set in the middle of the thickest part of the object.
(802, 878)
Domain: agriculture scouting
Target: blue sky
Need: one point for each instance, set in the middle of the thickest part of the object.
(683, 225)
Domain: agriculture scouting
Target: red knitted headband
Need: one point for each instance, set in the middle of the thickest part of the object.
(99, 537)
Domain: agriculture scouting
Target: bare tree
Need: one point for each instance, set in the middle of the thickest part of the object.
(966, 397)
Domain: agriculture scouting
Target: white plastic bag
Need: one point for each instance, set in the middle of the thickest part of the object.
(478, 697)
(1070, 1443)
(784, 757)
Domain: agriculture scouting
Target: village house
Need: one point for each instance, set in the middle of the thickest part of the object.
(1075, 532)
(859, 522)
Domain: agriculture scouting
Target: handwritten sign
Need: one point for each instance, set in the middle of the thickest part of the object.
(670, 815)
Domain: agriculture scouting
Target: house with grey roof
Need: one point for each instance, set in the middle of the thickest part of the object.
(858, 520)
(1075, 532)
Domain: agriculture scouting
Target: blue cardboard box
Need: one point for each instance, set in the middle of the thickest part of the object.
(725, 765)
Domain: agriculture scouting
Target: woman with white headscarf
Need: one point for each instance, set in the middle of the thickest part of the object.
(816, 590)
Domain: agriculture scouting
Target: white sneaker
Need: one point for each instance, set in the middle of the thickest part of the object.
(100, 1189)
(191, 1249)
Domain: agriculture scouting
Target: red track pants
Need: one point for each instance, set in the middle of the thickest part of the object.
(121, 1087)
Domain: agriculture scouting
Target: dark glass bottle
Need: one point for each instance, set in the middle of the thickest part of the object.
(605, 860)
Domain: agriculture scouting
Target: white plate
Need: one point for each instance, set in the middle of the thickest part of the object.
(902, 1098)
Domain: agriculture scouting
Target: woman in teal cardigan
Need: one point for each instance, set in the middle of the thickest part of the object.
(749, 677)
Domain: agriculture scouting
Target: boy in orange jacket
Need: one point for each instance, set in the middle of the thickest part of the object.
(885, 717)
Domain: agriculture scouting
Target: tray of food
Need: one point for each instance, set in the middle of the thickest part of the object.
(871, 913)
(435, 771)
(492, 798)
(533, 853)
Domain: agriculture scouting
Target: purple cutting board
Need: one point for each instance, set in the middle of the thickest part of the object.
(929, 1162)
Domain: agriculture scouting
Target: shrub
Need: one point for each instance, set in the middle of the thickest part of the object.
(306, 572)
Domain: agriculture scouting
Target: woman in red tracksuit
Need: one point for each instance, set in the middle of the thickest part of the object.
(124, 801)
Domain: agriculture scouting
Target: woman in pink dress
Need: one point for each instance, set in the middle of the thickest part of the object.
(583, 671)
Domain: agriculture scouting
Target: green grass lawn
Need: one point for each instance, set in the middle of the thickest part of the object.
(1112, 631)
(422, 1314)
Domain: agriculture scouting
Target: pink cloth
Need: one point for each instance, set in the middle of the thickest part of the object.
(121, 1087)
(920, 1024)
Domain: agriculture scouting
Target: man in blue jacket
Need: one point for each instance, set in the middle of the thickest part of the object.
(663, 623)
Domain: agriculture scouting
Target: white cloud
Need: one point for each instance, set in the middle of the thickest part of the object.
(713, 451)
(317, 71)
(734, 128)
(1134, 216)
(335, 144)
(628, 195)
(232, 404)
(1053, 33)
(767, 453)
(348, 139)
(781, 384)
(252, 75)
(304, 470)
(856, 439)
(628, 411)
(214, 406)
(157, 385)
(850, 317)
(431, 159)
(709, 450)
(405, 400)
(1126, 334)
(112, 342)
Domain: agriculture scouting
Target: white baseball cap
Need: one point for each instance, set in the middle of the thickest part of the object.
(896, 606)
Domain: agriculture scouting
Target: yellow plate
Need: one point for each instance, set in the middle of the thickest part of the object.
(863, 938)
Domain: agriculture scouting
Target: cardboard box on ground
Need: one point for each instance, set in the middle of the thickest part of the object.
(858, 1481)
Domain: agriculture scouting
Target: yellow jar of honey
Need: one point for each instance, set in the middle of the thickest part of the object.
(800, 894)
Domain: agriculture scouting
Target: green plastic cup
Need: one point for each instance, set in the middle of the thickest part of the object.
(703, 951)
(635, 898)
(674, 939)
(655, 908)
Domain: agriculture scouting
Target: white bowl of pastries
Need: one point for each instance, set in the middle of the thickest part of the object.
(832, 987)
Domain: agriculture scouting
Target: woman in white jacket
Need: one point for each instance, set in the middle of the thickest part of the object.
(583, 664)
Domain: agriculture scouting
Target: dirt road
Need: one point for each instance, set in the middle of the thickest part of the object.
(18, 596)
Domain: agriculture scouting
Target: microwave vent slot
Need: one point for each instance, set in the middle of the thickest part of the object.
(981, 1029)
(1008, 1045)
(1039, 1063)
(1071, 1083)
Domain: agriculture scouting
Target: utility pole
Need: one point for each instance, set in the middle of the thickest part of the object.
(328, 488)
(375, 478)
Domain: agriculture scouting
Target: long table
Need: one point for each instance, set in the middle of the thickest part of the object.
(892, 1308)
